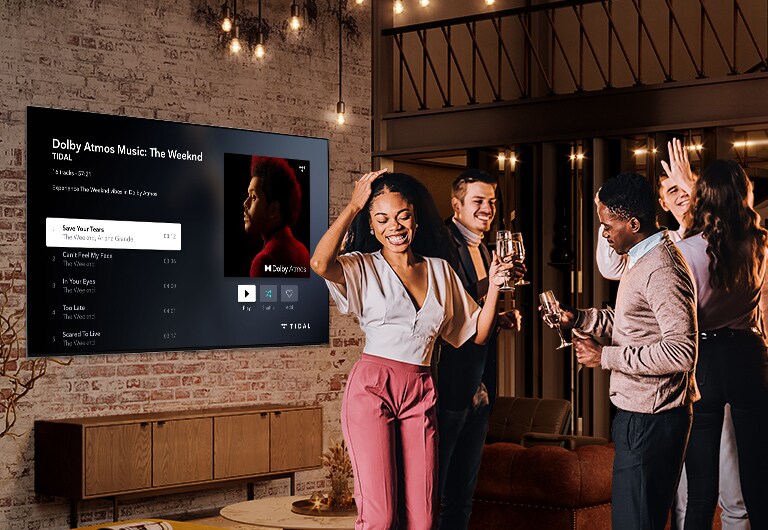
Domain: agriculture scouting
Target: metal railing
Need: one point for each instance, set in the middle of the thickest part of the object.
(573, 46)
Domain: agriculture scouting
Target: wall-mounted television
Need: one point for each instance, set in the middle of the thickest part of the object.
(150, 235)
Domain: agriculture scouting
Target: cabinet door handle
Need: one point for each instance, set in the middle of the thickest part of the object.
(161, 422)
(263, 414)
(144, 424)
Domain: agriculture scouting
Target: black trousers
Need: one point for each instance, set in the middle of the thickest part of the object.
(461, 440)
(649, 458)
(732, 368)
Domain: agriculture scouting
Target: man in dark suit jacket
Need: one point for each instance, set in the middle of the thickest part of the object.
(466, 377)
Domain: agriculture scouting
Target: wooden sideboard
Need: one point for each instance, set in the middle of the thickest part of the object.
(113, 456)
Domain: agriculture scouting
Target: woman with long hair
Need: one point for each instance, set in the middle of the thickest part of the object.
(725, 247)
(394, 277)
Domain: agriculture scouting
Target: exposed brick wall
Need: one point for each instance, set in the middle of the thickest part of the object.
(151, 58)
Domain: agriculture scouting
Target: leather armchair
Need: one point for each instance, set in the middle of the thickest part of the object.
(533, 476)
(512, 417)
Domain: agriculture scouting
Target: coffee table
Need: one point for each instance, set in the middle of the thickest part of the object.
(275, 512)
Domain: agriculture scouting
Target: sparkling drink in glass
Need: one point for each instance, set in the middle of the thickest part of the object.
(519, 255)
(505, 248)
(550, 312)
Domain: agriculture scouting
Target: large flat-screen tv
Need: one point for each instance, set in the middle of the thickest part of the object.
(149, 235)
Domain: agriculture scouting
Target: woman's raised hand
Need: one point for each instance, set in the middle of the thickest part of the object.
(362, 190)
(679, 168)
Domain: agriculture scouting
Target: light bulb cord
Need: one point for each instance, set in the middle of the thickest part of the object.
(340, 52)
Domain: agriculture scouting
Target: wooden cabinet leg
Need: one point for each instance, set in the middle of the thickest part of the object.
(293, 484)
(74, 516)
(251, 493)
(115, 510)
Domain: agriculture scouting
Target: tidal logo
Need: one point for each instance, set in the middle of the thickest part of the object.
(295, 325)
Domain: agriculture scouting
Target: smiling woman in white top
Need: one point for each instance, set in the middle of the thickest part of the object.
(392, 278)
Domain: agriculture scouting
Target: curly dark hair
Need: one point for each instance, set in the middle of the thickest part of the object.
(431, 239)
(279, 183)
(629, 195)
(735, 240)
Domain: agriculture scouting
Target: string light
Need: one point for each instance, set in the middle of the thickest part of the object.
(489, 2)
(234, 44)
(424, 3)
(502, 158)
(295, 14)
(340, 107)
(259, 51)
(359, 2)
(226, 23)
(398, 7)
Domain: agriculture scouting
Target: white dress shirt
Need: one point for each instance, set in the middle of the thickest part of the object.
(612, 265)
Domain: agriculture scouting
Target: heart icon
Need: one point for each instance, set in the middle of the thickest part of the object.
(289, 293)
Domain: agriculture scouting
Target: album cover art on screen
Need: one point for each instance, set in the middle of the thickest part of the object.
(266, 216)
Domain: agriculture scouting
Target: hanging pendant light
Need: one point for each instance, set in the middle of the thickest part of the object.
(340, 107)
(234, 42)
(295, 16)
(259, 51)
(226, 20)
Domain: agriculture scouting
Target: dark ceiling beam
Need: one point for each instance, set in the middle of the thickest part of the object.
(609, 113)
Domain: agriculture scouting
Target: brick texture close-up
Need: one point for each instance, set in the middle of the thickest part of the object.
(163, 60)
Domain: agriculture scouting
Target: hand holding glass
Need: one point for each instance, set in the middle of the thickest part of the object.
(505, 251)
(550, 312)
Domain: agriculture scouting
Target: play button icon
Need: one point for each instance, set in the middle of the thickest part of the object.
(246, 293)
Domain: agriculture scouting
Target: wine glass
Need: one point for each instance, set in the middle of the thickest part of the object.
(551, 314)
(519, 254)
(505, 250)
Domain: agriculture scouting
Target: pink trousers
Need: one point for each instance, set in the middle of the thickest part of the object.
(389, 421)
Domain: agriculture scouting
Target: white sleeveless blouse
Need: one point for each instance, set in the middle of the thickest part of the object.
(394, 328)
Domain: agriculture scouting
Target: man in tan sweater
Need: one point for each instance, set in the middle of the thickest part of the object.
(651, 356)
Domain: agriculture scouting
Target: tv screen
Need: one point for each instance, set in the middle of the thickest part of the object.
(149, 235)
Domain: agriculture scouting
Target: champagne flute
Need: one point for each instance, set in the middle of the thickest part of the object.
(519, 254)
(551, 315)
(505, 249)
